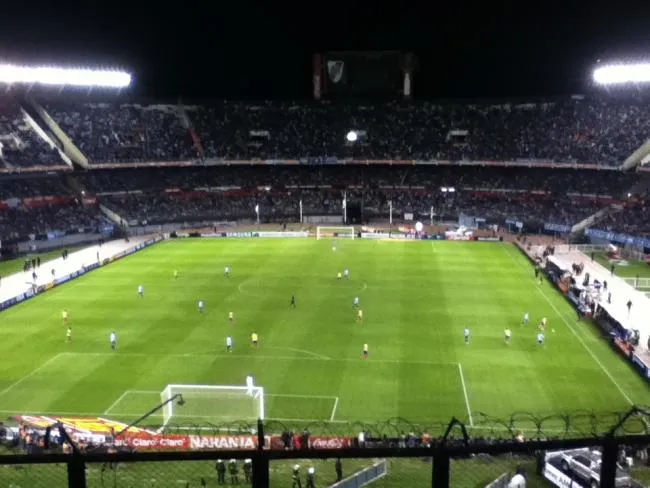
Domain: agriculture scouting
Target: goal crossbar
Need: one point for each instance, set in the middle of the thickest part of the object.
(342, 232)
(217, 402)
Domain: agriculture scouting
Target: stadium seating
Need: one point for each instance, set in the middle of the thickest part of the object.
(20, 145)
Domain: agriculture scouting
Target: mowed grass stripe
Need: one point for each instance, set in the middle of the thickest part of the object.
(417, 298)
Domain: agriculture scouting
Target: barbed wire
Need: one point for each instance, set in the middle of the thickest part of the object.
(582, 423)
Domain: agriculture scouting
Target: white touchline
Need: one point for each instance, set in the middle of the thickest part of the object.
(32, 373)
(336, 404)
(116, 402)
(591, 353)
(469, 410)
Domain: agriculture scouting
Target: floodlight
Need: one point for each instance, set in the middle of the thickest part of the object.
(622, 73)
(44, 75)
(351, 136)
(419, 226)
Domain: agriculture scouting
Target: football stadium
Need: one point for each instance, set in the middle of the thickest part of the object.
(189, 301)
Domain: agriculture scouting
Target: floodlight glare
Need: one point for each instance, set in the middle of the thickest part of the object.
(352, 136)
(622, 73)
(63, 76)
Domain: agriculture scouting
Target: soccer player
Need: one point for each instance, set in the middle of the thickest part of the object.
(466, 335)
(360, 316)
(507, 335)
(140, 291)
(346, 273)
(231, 317)
(339, 276)
(113, 339)
(254, 339)
(175, 274)
(365, 351)
(64, 317)
(540, 338)
(544, 322)
(334, 246)
(229, 344)
(250, 384)
(226, 271)
(525, 319)
(201, 306)
(293, 301)
(355, 303)
(68, 335)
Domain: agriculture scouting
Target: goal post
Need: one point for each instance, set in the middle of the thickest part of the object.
(213, 403)
(343, 232)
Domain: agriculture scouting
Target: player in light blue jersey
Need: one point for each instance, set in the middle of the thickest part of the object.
(356, 303)
(467, 335)
(525, 320)
(346, 273)
(226, 271)
(540, 339)
(201, 306)
(140, 291)
(113, 340)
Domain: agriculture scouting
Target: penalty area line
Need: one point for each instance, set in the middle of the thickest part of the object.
(116, 402)
(30, 374)
(462, 381)
(336, 405)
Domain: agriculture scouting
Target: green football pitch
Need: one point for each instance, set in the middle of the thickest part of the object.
(417, 297)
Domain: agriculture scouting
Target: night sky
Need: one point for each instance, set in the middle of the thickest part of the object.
(245, 49)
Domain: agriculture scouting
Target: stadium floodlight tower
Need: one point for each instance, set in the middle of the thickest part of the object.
(622, 73)
(52, 76)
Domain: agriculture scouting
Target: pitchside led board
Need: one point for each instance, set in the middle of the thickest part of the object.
(343, 74)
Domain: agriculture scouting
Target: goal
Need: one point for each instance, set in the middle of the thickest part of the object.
(207, 403)
(345, 232)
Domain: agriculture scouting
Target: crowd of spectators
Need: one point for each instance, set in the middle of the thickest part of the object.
(564, 130)
(204, 193)
(20, 145)
(109, 133)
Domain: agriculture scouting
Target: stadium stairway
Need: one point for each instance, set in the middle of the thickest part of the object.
(71, 152)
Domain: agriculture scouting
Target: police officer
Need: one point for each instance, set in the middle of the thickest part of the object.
(221, 472)
(295, 477)
(248, 471)
(339, 469)
(310, 477)
(234, 472)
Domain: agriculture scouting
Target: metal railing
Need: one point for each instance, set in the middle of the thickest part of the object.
(435, 454)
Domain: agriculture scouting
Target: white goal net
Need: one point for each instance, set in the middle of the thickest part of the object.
(345, 232)
(207, 403)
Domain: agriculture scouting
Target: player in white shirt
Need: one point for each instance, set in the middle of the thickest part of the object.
(249, 385)
(140, 290)
(346, 273)
(113, 339)
(466, 335)
(226, 271)
(229, 344)
(201, 306)
(356, 302)
(507, 335)
(525, 319)
(540, 338)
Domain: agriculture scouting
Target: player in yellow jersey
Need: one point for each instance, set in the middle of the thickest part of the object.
(254, 339)
(175, 274)
(64, 317)
(507, 335)
(365, 351)
(360, 316)
(231, 317)
(68, 335)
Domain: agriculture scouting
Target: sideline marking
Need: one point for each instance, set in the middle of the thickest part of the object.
(462, 380)
(591, 353)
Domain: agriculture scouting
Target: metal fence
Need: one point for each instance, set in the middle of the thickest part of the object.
(452, 454)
